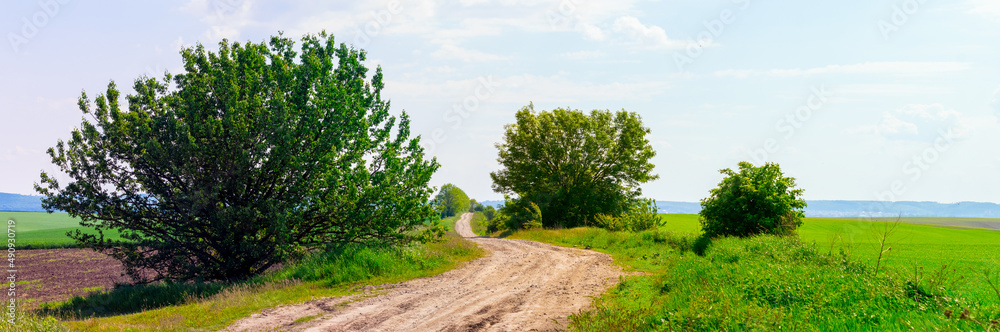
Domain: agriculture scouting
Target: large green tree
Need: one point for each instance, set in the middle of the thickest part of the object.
(451, 201)
(752, 201)
(572, 164)
(255, 152)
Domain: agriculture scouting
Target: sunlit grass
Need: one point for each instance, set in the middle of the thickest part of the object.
(825, 281)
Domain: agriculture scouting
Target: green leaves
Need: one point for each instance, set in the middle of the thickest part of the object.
(573, 165)
(752, 201)
(255, 152)
(451, 201)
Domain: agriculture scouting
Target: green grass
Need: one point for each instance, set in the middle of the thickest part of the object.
(41, 230)
(478, 223)
(208, 306)
(770, 283)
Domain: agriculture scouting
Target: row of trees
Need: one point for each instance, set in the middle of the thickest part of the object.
(568, 168)
(257, 152)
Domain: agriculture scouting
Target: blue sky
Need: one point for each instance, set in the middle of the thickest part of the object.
(858, 100)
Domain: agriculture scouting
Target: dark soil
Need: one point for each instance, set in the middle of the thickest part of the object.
(47, 275)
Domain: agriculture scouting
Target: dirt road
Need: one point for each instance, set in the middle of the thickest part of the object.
(519, 286)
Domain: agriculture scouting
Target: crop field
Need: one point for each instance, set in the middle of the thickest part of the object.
(921, 244)
(989, 223)
(45, 230)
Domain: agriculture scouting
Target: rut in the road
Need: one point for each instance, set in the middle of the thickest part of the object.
(519, 286)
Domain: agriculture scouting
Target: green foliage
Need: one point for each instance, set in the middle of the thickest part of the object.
(610, 222)
(498, 223)
(535, 217)
(641, 215)
(479, 223)
(489, 212)
(256, 153)
(752, 201)
(451, 201)
(573, 165)
(475, 206)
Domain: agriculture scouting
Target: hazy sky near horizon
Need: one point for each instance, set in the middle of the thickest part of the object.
(858, 99)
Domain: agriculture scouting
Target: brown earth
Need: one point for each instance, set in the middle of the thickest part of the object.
(520, 286)
(46, 275)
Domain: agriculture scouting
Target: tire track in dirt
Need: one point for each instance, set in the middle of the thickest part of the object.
(519, 286)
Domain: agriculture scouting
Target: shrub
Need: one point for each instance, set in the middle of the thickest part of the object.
(610, 222)
(752, 201)
(641, 215)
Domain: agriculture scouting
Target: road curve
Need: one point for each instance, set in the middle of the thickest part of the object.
(519, 286)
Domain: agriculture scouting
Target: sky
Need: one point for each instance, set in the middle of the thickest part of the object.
(856, 99)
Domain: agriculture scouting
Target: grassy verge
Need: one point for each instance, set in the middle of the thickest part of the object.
(771, 283)
(210, 306)
(478, 223)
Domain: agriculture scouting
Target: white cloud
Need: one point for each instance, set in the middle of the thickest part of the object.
(917, 122)
(650, 37)
(592, 32)
(989, 8)
(520, 89)
(224, 18)
(178, 43)
(893, 89)
(895, 68)
(583, 55)
(455, 52)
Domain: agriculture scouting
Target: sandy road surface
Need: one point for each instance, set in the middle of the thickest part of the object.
(519, 286)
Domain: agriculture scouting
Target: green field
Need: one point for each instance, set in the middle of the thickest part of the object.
(988, 223)
(45, 230)
(825, 279)
(923, 244)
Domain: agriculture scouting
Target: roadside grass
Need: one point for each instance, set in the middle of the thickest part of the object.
(188, 306)
(771, 283)
(478, 223)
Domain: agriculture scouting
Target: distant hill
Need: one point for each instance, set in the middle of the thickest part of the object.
(495, 204)
(20, 203)
(823, 208)
(25, 203)
(870, 209)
